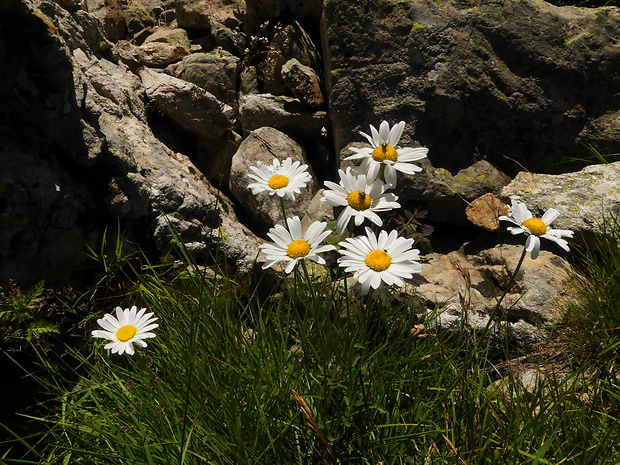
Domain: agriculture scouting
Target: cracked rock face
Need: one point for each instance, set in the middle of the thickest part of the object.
(85, 157)
(466, 287)
(521, 79)
(264, 145)
(586, 198)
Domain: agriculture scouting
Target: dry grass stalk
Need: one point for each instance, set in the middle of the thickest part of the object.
(307, 413)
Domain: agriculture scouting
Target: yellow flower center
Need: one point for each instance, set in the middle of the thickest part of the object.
(385, 152)
(298, 248)
(536, 226)
(359, 200)
(126, 332)
(378, 260)
(277, 181)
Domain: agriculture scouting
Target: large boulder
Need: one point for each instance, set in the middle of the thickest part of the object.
(520, 82)
(287, 114)
(78, 154)
(462, 291)
(190, 106)
(265, 144)
(587, 199)
(216, 72)
(199, 14)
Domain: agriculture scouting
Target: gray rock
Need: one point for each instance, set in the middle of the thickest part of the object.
(216, 72)
(585, 199)
(248, 81)
(170, 35)
(466, 289)
(227, 38)
(291, 42)
(154, 54)
(469, 81)
(114, 88)
(80, 30)
(478, 179)
(142, 13)
(191, 107)
(264, 145)
(318, 210)
(155, 184)
(78, 156)
(110, 13)
(198, 14)
(159, 54)
(287, 114)
(303, 82)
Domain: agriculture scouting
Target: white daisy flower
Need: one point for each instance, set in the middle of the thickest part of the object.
(291, 245)
(375, 260)
(385, 151)
(286, 178)
(535, 228)
(361, 195)
(129, 326)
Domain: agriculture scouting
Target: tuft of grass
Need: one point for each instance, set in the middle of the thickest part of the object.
(301, 374)
(591, 333)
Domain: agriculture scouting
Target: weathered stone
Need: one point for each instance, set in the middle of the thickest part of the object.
(110, 13)
(198, 14)
(467, 286)
(264, 145)
(519, 79)
(80, 30)
(161, 54)
(585, 199)
(170, 35)
(248, 81)
(156, 53)
(216, 72)
(287, 114)
(303, 82)
(485, 212)
(291, 42)
(78, 155)
(478, 179)
(114, 88)
(228, 38)
(154, 184)
(142, 13)
(128, 54)
(191, 107)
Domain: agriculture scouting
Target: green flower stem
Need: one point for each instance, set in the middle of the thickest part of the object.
(283, 213)
(512, 280)
(308, 281)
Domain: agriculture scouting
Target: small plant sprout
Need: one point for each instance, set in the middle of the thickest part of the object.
(361, 195)
(284, 179)
(385, 152)
(375, 260)
(292, 244)
(535, 228)
(129, 326)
